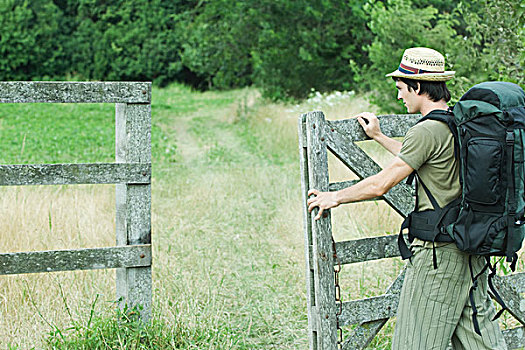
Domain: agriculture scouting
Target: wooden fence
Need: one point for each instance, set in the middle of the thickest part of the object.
(316, 136)
(131, 173)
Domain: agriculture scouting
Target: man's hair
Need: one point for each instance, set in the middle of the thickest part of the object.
(435, 90)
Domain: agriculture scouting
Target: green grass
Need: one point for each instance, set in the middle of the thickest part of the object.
(66, 133)
(46, 133)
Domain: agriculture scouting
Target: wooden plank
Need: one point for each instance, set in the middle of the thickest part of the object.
(341, 145)
(336, 186)
(369, 309)
(76, 259)
(518, 281)
(74, 92)
(325, 310)
(512, 298)
(515, 338)
(366, 249)
(67, 174)
(133, 204)
(392, 125)
(363, 334)
(307, 228)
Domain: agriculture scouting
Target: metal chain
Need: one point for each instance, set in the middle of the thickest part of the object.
(338, 300)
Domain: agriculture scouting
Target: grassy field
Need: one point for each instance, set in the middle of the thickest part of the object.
(226, 218)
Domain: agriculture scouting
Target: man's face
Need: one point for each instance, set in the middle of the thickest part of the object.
(410, 98)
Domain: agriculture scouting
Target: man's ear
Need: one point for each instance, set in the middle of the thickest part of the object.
(418, 88)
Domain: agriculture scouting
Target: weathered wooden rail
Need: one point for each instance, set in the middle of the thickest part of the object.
(131, 173)
(316, 136)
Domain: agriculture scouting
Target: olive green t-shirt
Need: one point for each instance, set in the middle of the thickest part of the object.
(428, 147)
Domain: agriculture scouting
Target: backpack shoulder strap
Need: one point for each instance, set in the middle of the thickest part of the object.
(446, 117)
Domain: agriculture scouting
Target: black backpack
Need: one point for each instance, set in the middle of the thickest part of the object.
(488, 125)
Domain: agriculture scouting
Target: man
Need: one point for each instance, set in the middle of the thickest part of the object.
(434, 306)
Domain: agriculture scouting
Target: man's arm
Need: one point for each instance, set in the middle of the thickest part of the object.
(371, 187)
(372, 129)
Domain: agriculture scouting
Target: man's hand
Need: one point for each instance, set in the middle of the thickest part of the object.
(323, 200)
(370, 124)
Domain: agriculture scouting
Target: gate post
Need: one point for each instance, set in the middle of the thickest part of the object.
(133, 204)
(322, 324)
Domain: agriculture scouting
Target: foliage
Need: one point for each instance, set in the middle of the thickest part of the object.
(480, 42)
(218, 41)
(306, 45)
(28, 40)
(127, 40)
(393, 33)
(493, 46)
(286, 48)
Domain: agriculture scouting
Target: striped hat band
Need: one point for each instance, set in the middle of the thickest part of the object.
(411, 70)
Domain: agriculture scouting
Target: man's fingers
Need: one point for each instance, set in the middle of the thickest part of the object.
(311, 200)
(315, 202)
(311, 205)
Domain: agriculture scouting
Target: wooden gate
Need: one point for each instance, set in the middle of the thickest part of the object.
(316, 136)
(131, 173)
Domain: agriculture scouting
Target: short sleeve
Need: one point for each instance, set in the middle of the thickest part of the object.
(418, 146)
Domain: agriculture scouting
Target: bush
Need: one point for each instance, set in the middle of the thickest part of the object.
(306, 45)
(481, 39)
(492, 46)
(217, 43)
(127, 40)
(29, 40)
(423, 26)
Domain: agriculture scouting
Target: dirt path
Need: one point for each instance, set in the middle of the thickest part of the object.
(187, 145)
(202, 138)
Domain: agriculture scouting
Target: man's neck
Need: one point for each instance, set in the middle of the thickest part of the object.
(429, 106)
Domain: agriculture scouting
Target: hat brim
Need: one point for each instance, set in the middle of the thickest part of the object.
(447, 75)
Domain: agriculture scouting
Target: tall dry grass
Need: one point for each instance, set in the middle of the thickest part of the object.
(48, 218)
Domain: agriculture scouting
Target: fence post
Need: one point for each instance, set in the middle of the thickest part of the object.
(322, 308)
(133, 204)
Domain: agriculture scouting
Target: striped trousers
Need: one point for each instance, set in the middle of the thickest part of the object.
(434, 307)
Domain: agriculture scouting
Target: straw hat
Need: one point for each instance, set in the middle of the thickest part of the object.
(422, 63)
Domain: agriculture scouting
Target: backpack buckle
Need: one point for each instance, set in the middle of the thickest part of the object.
(510, 138)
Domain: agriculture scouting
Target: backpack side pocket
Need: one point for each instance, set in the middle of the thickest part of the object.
(478, 232)
(483, 171)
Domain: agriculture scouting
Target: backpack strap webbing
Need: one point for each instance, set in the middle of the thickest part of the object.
(495, 294)
(471, 293)
(447, 118)
(511, 209)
